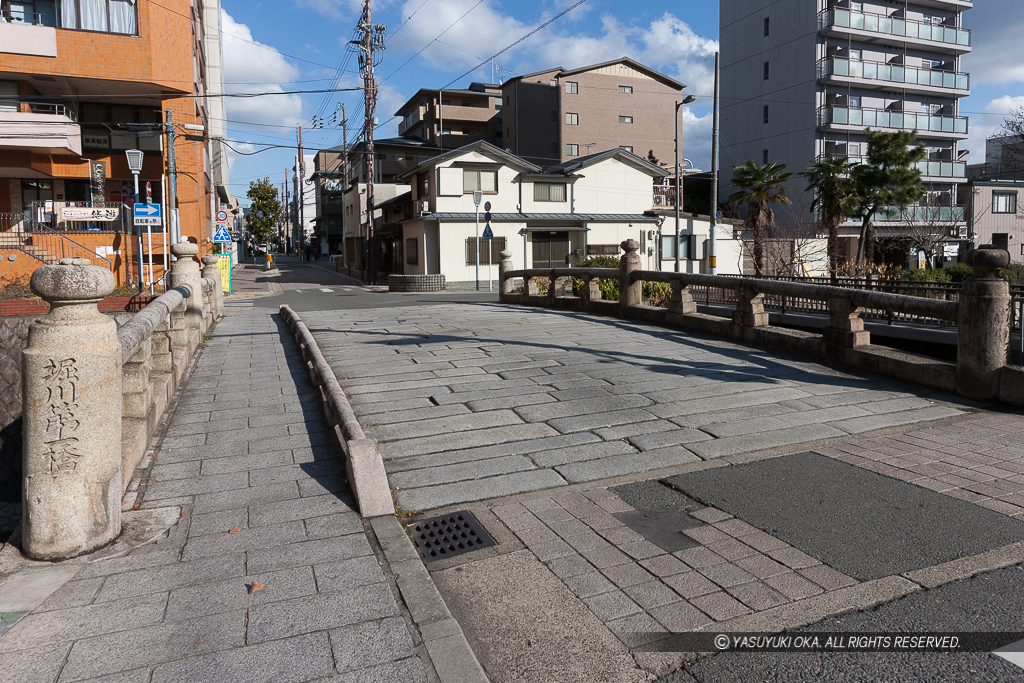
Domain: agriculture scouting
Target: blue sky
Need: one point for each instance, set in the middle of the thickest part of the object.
(291, 45)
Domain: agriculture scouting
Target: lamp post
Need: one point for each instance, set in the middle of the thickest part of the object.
(679, 191)
(135, 165)
(477, 196)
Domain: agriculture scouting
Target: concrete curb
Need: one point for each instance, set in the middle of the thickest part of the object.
(364, 465)
(445, 643)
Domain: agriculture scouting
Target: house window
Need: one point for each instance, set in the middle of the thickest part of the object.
(626, 88)
(115, 16)
(497, 245)
(853, 149)
(572, 119)
(554, 84)
(572, 87)
(625, 119)
(572, 150)
(549, 192)
(767, 26)
(412, 251)
(764, 157)
(766, 71)
(446, 131)
(1004, 202)
(628, 148)
(497, 104)
(554, 116)
(764, 112)
(423, 185)
(686, 244)
(602, 250)
(473, 180)
(554, 148)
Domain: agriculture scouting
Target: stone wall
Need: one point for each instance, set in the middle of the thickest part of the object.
(13, 337)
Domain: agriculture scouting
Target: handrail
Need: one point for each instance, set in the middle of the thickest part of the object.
(143, 323)
(36, 228)
(899, 303)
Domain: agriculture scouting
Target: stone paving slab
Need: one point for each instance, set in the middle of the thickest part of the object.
(268, 575)
(459, 397)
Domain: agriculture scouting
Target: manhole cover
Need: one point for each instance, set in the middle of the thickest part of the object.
(449, 535)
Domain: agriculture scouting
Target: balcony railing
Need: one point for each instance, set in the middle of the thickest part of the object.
(893, 73)
(928, 168)
(894, 26)
(917, 214)
(882, 118)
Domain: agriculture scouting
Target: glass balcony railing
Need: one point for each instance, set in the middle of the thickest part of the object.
(917, 214)
(894, 26)
(882, 118)
(893, 73)
(928, 168)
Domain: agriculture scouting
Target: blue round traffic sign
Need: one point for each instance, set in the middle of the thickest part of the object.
(487, 216)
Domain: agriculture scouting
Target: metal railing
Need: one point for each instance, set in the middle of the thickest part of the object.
(52, 246)
(894, 26)
(884, 118)
(47, 108)
(928, 168)
(48, 214)
(893, 73)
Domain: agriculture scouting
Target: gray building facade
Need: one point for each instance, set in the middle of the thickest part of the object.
(806, 79)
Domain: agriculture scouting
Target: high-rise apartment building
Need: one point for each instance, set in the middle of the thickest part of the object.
(806, 79)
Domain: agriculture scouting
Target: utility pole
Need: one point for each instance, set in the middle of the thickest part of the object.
(344, 149)
(371, 40)
(300, 232)
(713, 256)
(172, 177)
(287, 205)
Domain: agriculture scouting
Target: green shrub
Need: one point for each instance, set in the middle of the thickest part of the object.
(609, 287)
(657, 294)
(960, 272)
(1014, 273)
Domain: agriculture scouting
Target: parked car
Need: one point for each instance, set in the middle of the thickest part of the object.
(262, 248)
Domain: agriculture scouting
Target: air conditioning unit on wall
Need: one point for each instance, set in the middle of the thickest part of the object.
(659, 200)
(423, 207)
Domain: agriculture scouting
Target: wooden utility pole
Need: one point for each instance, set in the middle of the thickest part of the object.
(300, 168)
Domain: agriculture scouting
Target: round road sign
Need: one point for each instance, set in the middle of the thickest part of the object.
(487, 216)
(487, 206)
(222, 216)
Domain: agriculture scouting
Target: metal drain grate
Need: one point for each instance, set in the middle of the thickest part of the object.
(449, 535)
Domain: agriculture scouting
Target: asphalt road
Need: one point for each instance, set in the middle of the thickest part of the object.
(992, 602)
(312, 287)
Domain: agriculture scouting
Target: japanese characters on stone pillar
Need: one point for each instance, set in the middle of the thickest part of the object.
(212, 272)
(71, 455)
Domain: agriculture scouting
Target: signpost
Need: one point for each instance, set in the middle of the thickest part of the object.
(147, 215)
(222, 236)
(487, 237)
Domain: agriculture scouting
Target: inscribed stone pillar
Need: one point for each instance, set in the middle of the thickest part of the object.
(505, 285)
(630, 293)
(71, 454)
(983, 330)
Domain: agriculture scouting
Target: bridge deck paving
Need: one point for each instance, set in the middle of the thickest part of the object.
(268, 575)
(648, 398)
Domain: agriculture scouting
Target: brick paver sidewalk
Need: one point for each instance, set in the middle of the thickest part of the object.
(269, 575)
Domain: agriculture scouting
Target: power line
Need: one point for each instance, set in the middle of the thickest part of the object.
(435, 40)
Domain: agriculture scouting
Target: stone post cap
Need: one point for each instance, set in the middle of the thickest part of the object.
(209, 260)
(987, 259)
(506, 255)
(184, 249)
(630, 246)
(71, 281)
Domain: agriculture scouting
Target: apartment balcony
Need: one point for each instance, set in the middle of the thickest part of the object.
(452, 114)
(955, 171)
(49, 129)
(833, 118)
(881, 76)
(922, 215)
(411, 120)
(877, 28)
(27, 34)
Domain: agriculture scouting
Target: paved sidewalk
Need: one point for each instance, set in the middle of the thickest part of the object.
(269, 574)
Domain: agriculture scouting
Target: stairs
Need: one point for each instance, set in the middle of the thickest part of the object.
(19, 241)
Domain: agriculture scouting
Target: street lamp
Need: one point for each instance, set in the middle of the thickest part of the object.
(679, 191)
(477, 196)
(135, 166)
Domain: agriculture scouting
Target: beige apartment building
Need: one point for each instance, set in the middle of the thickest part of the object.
(453, 118)
(558, 114)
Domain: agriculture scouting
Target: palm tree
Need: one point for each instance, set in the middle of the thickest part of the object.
(760, 186)
(835, 197)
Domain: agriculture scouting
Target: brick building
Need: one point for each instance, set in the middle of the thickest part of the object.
(80, 83)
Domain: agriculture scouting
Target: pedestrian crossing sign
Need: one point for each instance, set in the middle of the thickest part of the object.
(222, 236)
(488, 235)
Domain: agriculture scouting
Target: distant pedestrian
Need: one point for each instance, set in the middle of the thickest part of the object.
(316, 253)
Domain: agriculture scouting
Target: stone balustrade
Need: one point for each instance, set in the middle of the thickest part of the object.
(982, 318)
(93, 395)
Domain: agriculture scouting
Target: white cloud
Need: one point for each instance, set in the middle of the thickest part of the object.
(667, 43)
(389, 99)
(252, 67)
(989, 124)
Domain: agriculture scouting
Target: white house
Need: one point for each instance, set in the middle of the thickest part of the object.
(584, 207)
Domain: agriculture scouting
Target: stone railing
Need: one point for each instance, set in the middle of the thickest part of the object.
(982, 317)
(93, 395)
